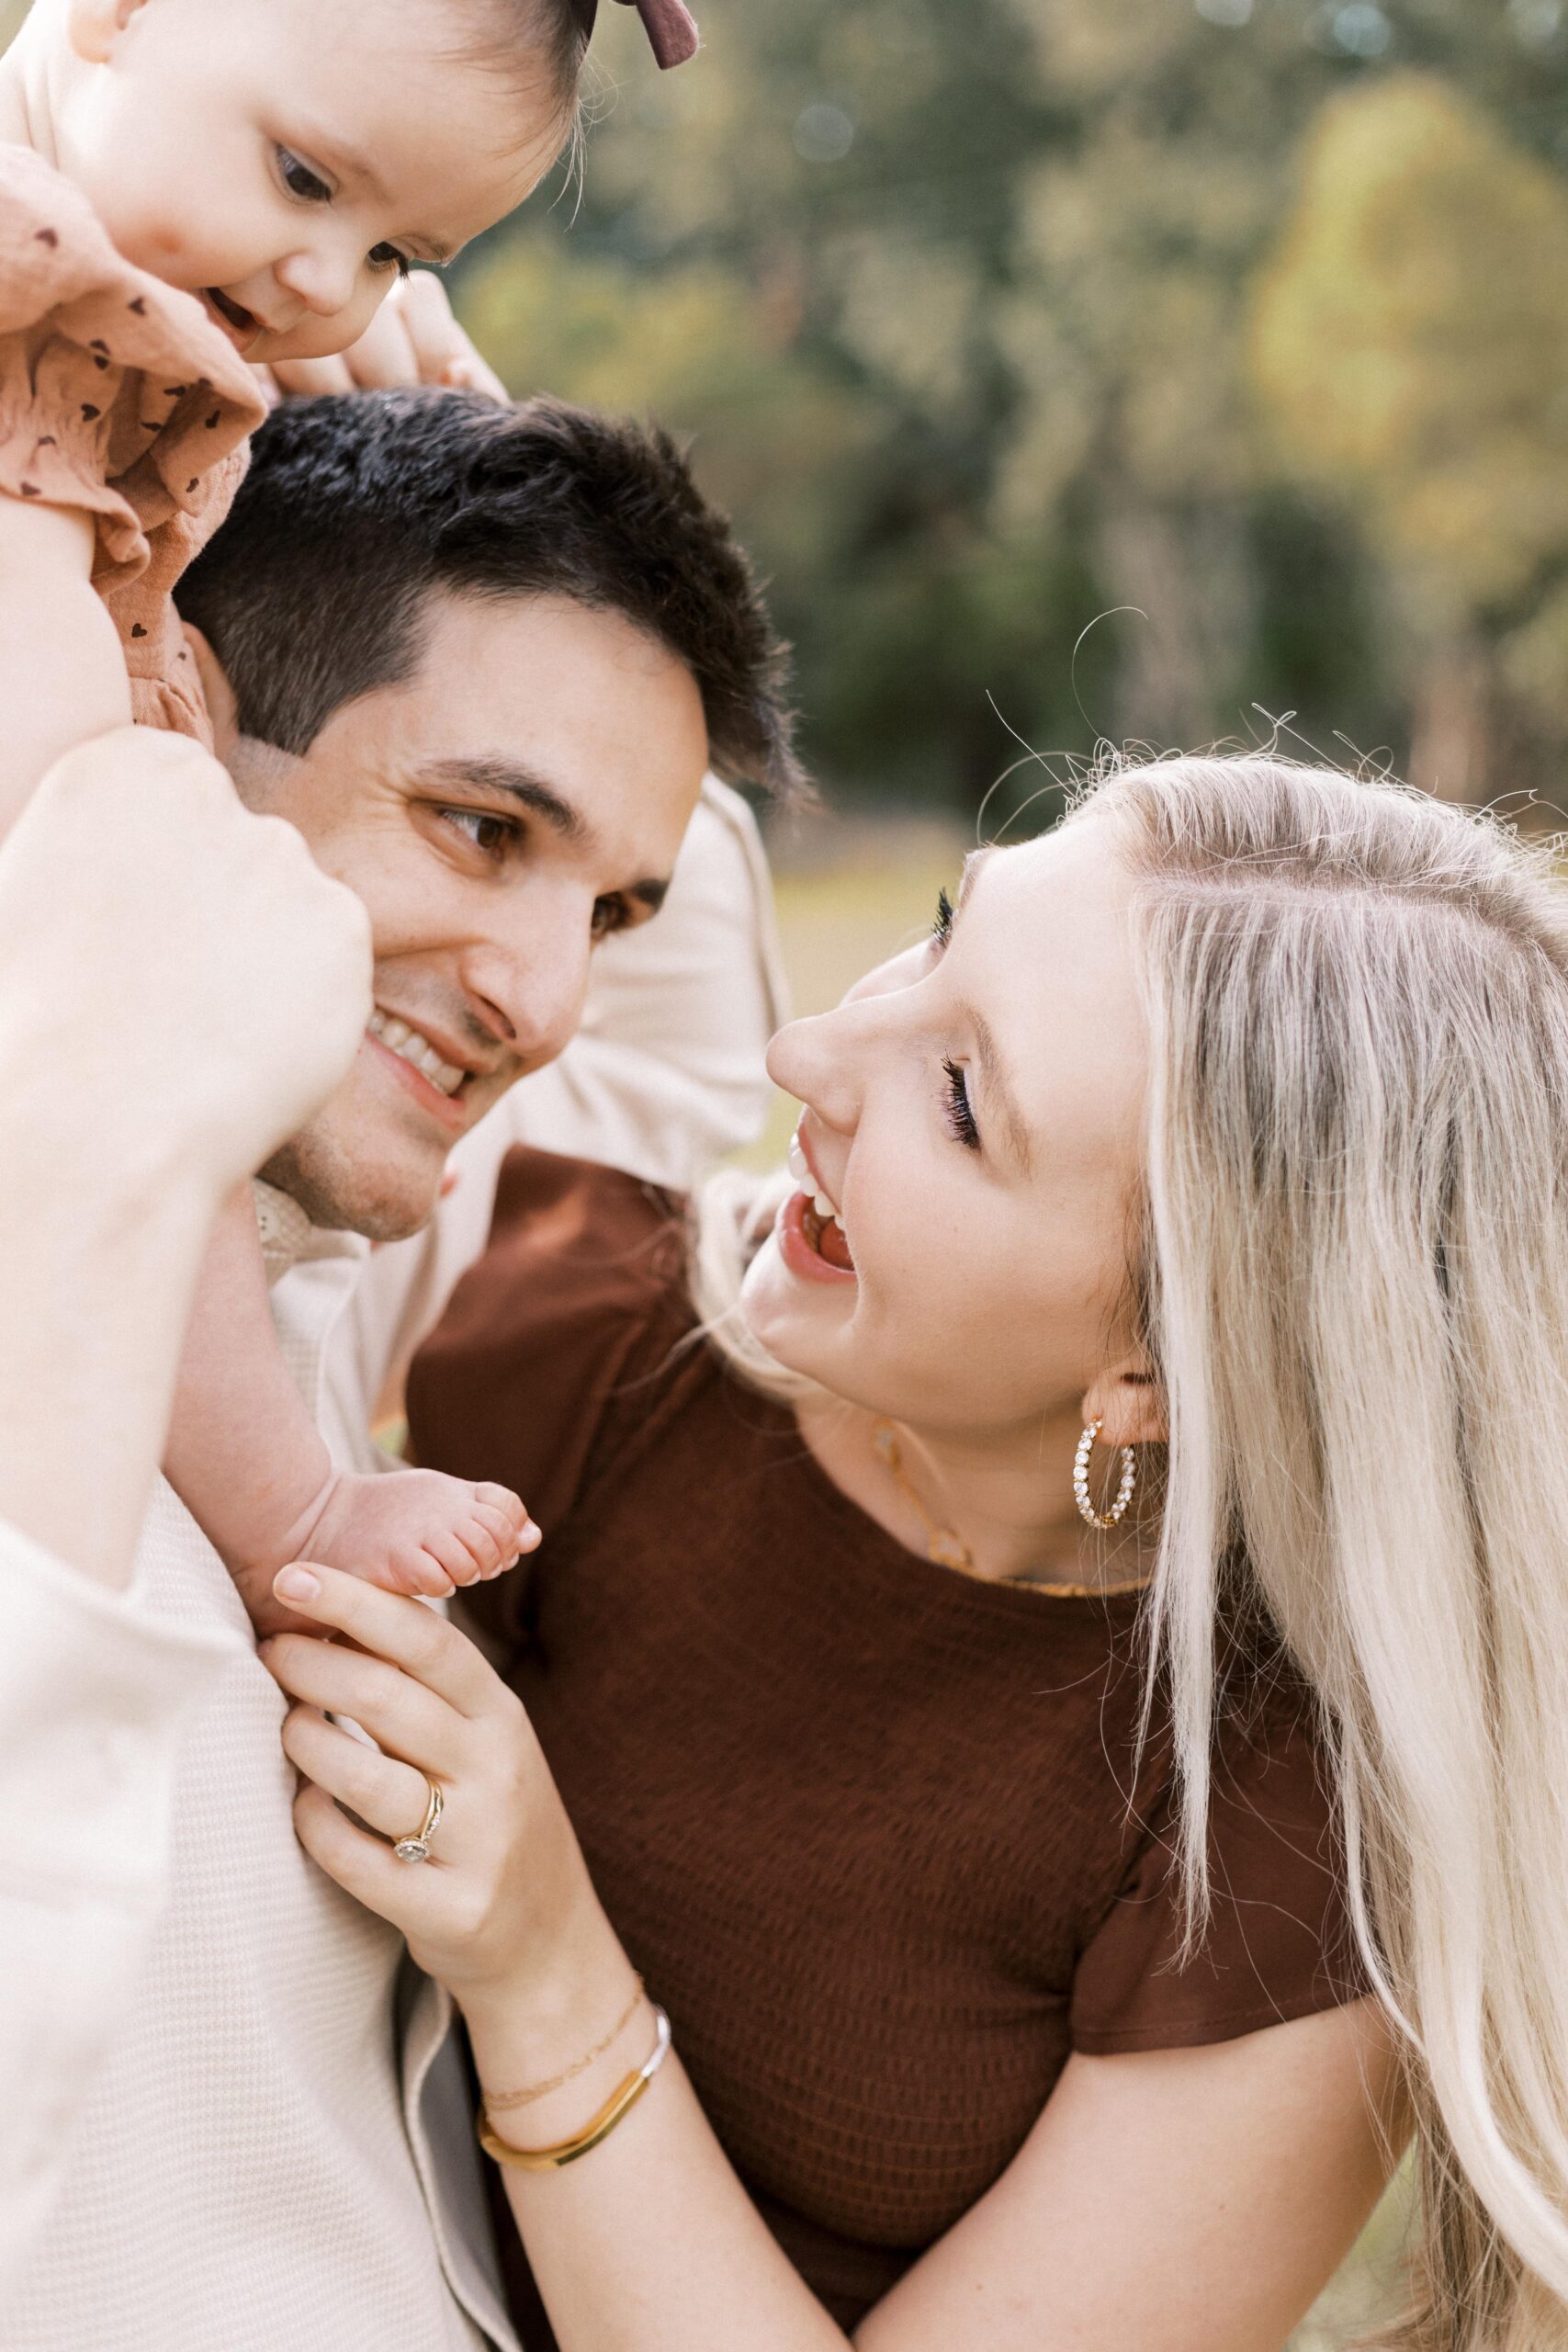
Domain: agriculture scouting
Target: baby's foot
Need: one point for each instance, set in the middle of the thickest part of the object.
(416, 1531)
(409, 1530)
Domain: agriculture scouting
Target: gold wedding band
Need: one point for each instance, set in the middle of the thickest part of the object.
(417, 1848)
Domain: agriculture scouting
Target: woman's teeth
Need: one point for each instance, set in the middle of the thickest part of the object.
(418, 1051)
(800, 1168)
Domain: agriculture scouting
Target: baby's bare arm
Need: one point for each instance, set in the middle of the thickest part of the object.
(62, 677)
(245, 1456)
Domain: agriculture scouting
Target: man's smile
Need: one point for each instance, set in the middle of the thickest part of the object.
(413, 1045)
(452, 1093)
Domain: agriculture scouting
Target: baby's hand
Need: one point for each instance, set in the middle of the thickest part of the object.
(414, 339)
(414, 1531)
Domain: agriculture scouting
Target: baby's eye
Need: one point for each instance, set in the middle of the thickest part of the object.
(388, 257)
(300, 180)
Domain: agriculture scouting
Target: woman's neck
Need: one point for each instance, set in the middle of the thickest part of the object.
(1006, 1494)
(25, 114)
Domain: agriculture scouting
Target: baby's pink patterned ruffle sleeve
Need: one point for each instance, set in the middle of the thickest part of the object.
(120, 399)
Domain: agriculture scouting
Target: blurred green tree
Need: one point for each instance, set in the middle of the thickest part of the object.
(1411, 341)
(954, 297)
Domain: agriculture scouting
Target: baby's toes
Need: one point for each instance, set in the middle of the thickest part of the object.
(452, 1550)
(486, 1539)
(418, 1571)
(501, 1531)
(518, 1531)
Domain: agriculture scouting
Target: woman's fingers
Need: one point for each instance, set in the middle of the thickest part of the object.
(406, 1894)
(401, 1715)
(404, 1632)
(384, 1794)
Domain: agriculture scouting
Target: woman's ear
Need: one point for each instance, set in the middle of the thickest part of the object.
(223, 708)
(92, 26)
(1129, 1403)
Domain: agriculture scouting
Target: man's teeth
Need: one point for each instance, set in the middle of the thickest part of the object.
(800, 1168)
(417, 1051)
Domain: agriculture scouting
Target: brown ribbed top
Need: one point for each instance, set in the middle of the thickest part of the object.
(861, 1822)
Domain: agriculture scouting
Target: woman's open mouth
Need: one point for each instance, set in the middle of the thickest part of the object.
(811, 1238)
(241, 326)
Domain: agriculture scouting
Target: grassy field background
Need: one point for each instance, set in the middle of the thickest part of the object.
(849, 895)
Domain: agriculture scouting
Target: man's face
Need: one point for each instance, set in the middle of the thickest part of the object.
(521, 796)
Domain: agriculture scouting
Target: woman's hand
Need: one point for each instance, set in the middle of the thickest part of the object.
(413, 339)
(503, 1910)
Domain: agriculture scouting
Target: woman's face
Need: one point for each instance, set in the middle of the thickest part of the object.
(974, 1112)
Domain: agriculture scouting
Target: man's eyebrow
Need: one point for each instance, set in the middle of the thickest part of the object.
(485, 773)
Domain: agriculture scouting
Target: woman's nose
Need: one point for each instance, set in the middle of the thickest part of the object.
(817, 1060)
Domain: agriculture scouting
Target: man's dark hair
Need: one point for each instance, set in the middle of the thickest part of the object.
(358, 507)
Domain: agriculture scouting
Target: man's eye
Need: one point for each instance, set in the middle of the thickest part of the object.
(494, 835)
(300, 180)
(388, 257)
(609, 914)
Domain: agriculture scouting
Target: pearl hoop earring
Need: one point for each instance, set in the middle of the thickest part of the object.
(1080, 1481)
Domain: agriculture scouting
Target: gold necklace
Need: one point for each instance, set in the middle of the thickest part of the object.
(946, 1547)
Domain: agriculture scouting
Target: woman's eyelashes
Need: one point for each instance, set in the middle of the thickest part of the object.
(958, 1110)
(941, 929)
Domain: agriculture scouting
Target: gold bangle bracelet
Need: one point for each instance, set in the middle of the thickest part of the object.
(566, 2151)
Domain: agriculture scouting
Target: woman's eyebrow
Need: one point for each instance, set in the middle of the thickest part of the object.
(1000, 1094)
(972, 866)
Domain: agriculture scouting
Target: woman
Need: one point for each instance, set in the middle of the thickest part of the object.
(1224, 1126)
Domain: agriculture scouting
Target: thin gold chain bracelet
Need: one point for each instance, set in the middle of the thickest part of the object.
(496, 2102)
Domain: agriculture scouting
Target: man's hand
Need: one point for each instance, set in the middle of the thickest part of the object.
(178, 979)
(413, 339)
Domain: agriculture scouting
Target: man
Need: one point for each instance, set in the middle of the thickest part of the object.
(479, 659)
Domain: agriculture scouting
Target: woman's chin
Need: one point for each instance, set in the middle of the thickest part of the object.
(788, 1314)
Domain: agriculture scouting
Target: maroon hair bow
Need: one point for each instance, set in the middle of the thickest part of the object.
(670, 27)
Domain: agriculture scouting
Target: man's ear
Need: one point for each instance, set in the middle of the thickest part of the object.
(93, 26)
(223, 706)
(1129, 1403)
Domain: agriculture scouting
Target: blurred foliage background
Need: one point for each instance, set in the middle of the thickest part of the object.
(1128, 369)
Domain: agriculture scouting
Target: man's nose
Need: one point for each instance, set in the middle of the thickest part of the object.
(323, 275)
(533, 997)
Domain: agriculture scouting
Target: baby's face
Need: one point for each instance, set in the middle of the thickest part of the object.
(284, 159)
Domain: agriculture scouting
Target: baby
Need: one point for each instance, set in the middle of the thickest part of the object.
(189, 187)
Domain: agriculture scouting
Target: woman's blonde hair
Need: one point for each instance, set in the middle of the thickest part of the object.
(1355, 1288)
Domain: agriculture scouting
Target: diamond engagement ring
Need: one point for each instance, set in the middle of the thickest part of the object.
(417, 1848)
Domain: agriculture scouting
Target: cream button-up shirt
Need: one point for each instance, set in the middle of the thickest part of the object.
(231, 2117)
